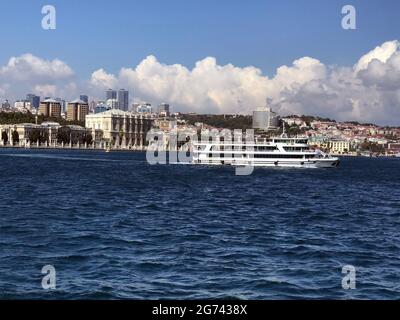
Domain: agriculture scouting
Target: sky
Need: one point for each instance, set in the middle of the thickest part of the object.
(208, 56)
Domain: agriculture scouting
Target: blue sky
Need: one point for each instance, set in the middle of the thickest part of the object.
(178, 51)
(266, 34)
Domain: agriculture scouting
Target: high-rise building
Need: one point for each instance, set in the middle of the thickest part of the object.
(34, 100)
(123, 99)
(111, 94)
(84, 98)
(163, 109)
(63, 104)
(77, 110)
(265, 119)
(50, 108)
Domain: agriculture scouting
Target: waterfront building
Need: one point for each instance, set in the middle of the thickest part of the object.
(319, 141)
(77, 110)
(339, 146)
(50, 108)
(123, 99)
(49, 130)
(25, 130)
(120, 129)
(265, 119)
(394, 148)
(78, 133)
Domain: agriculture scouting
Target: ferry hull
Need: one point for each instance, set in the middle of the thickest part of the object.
(312, 163)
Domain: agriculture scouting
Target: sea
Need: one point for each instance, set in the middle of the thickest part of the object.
(112, 226)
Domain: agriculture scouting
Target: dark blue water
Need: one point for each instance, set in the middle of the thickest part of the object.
(115, 227)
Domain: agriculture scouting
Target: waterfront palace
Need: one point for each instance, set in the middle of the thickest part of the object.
(120, 129)
(45, 129)
(114, 128)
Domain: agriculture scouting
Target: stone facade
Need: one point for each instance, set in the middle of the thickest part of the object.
(121, 129)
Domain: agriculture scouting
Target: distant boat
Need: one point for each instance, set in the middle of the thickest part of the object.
(366, 154)
(107, 150)
(397, 155)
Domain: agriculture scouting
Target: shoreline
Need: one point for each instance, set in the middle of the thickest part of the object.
(72, 148)
(144, 149)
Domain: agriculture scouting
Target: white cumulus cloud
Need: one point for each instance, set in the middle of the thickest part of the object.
(28, 73)
(368, 91)
(381, 53)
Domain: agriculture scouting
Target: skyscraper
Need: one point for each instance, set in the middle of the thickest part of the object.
(34, 100)
(123, 99)
(163, 109)
(111, 94)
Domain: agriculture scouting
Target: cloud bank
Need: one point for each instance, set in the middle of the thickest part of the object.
(369, 91)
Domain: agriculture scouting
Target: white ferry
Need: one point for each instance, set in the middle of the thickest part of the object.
(270, 152)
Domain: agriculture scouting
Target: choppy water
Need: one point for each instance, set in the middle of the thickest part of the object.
(115, 227)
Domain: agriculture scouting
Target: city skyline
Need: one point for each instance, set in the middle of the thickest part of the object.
(199, 158)
(321, 69)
